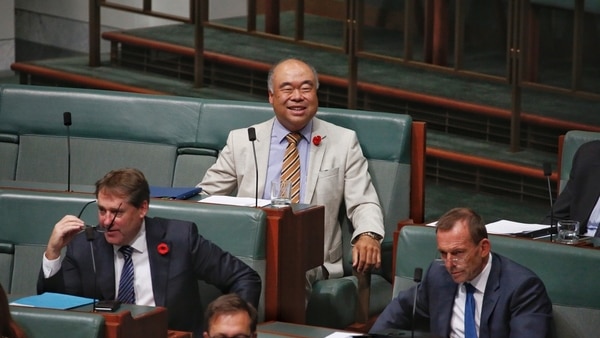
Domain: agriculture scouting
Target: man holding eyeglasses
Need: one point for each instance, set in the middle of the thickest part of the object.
(470, 291)
(141, 260)
(229, 316)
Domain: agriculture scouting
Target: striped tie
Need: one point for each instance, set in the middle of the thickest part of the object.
(126, 291)
(290, 171)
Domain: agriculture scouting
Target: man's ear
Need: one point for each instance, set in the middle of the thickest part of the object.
(270, 97)
(144, 209)
(205, 335)
(486, 247)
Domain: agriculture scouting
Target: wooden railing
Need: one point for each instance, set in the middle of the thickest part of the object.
(438, 27)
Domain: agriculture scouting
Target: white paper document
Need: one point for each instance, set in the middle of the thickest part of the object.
(505, 227)
(232, 200)
(343, 335)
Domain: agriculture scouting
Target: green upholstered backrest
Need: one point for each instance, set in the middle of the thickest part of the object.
(109, 130)
(565, 270)
(29, 216)
(46, 323)
(172, 139)
(572, 141)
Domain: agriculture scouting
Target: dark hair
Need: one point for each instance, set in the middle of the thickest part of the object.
(126, 182)
(8, 327)
(475, 223)
(230, 303)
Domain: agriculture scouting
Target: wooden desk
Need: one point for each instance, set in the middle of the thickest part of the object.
(136, 322)
(294, 245)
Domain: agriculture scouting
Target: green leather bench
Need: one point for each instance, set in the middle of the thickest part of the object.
(29, 216)
(46, 323)
(568, 273)
(173, 140)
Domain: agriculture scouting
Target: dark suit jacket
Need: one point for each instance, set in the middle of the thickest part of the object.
(175, 275)
(515, 303)
(578, 198)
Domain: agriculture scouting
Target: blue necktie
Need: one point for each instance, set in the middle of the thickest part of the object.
(470, 327)
(126, 291)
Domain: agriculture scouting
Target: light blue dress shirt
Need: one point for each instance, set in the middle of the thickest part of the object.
(277, 151)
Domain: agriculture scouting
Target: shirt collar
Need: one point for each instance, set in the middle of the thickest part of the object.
(280, 132)
(480, 281)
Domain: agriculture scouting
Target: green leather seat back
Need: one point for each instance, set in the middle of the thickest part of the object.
(565, 270)
(46, 323)
(573, 140)
(29, 217)
(109, 130)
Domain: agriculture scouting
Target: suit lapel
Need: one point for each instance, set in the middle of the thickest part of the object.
(445, 303)
(105, 268)
(263, 145)
(315, 158)
(491, 295)
(156, 229)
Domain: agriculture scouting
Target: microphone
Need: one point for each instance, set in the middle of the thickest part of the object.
(547, 167)
(67, 122)
(252, 138)
(417, 279)
(89, 235)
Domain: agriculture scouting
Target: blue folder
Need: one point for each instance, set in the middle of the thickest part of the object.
(51, 300)
(174, 193)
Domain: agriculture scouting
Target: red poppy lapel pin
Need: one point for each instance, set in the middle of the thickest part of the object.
(317, 140)
(162, 249)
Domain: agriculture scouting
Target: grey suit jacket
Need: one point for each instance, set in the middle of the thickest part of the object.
(515, 303)
(337, 173)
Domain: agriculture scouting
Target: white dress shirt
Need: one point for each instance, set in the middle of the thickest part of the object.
(457, 322)
(144, 294)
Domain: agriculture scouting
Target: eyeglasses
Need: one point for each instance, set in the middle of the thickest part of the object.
(98, 227)
(456, 258)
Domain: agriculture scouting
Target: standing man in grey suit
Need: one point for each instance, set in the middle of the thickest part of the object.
(508, 300)
(168, 257)
(333, 170)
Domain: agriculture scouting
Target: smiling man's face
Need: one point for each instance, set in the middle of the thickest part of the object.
(294, 96)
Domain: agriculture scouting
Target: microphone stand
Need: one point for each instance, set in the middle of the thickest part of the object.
(417, 279)
(252, 138)
(67, 122)
(89, 235)
(547, 172)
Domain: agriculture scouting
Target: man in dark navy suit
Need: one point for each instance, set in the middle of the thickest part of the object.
(509, 299)
(169, 256)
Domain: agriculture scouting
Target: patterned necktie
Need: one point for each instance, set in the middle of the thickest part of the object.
(290, 171)
(126, 291)
(470, 327)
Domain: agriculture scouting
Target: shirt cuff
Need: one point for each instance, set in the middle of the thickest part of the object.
(50, 267)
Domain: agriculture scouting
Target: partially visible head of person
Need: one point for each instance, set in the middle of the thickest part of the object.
(123, 198)
(230, 316)
(463, 244)
(293, 88)
(8, 327)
